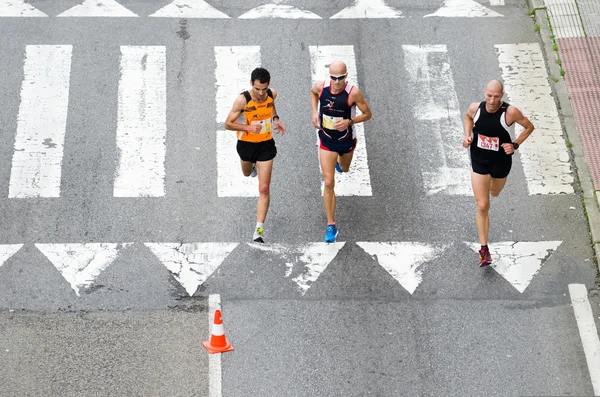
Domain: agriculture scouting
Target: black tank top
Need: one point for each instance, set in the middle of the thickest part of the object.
(490, 131)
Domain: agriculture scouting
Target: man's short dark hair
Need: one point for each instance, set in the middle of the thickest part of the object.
(260, 74)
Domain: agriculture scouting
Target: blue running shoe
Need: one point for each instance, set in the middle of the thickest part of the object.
(331, 233)
(338, 168)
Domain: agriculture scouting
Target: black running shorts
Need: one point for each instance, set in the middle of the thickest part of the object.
(498, 169)
(256, 151)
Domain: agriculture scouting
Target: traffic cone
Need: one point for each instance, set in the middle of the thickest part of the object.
(218, 343)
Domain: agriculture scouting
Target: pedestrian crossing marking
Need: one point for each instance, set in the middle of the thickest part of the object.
(19, 8)
(313, 259)
(7, 251)
(98, 8)
(141, 122)
(189, 9)
(544, 155)
(464, 8)
(519, 261)
(80, 264)
(403, 260)
(278, 11)
(233, 68)
(445, 164)
(357, 182)
(41, 123)
(191, 264)
(368, 9)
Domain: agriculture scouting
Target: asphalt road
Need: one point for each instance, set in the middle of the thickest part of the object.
(356, 331)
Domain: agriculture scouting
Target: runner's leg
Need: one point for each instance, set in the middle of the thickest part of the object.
(345, 160)
(328, 160)
(264, 169)
(481, 189)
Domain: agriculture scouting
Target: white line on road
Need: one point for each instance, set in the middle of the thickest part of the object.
(463, 9)
(189, 9)
(357, 182)
(234, 66)
(41, 123)
(278, 11)
(368, 9)
(18, 8)
(141, 123)
(496, 2)
(445, 163)
(98, 8)
(587, 331)
(544, 155)
(214, 360)
(8, 250)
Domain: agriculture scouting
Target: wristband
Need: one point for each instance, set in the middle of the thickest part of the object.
(275, 117)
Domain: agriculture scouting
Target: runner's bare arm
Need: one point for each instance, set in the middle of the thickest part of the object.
(279, 128)
(514, 115)
(357, 98)
(468, 123)
(235, 112)
(315, 91)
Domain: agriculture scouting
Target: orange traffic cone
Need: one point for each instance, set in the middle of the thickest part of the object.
(218, 343)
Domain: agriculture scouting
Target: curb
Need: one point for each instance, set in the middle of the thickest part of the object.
(582, 171)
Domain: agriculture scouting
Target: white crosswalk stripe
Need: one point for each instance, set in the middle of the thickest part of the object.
(141, 130)
(40, 135)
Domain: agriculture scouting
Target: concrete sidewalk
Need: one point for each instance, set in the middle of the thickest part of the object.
(570, 30)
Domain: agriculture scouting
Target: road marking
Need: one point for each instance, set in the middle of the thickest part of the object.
(403, 260)
(544, 155)
(368, 9)
(215, 374)
(588, 332)
(519, 261)
(463, 8)
(234, 66)
(41, 123)
(191, 263)
(141, 123)
(357, 182)
(496, 2)
(189, 9)
(18, 8)
(80, 264)
(278, 11)
(313, 259)
(8, 250)
(445, 165)
(98, 8)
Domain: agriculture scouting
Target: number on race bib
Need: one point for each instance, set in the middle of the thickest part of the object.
(265, 126)
(488, 143)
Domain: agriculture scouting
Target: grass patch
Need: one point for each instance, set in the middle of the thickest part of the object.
(536, 27)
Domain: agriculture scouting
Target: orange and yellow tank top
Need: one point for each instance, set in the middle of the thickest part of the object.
(257, 113)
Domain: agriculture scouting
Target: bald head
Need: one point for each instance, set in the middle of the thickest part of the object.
(495, 85)
(337, 68)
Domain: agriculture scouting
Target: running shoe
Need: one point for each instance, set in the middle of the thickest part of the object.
(485, 258)
(253, 174)
(331, 233)
(258, 235)
(338, 168)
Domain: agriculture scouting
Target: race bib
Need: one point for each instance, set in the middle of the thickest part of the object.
(329, 121)
(488, 143)
(265, 126)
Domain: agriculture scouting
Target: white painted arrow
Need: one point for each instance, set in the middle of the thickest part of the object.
(191, 263)
(519, 261)
(189, 9)
(278, 11)
(402, 260)
(463, 8)
(80, 264)
(368, 9)
(312, 257)
(98, 8)
(18, 8)
(8, 250)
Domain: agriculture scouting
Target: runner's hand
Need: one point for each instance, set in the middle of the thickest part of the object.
(279, 128)
(342, 125)
(467, 142)
(315, 120)
(254, 128)
(508, 148)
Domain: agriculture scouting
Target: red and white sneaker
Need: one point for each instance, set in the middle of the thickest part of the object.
(485, 258)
